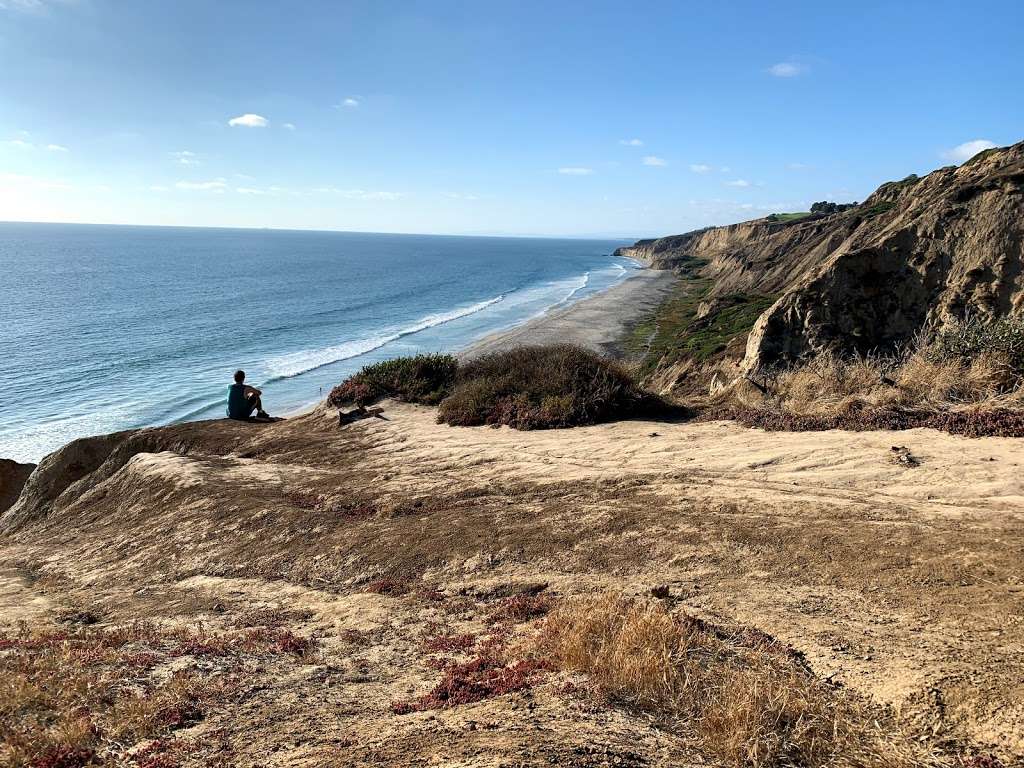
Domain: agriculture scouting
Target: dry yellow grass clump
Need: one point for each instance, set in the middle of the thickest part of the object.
(741, 696)
(828, 383)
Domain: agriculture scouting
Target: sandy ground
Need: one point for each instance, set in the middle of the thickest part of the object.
(900, 581)
(599, 322)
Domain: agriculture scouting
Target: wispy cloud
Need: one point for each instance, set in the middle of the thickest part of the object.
(31, 6)
(271, 190)
(631, 142)
(158, 188)
(798, 166)
(215, 185)
(351, 102)
(249, 120)
(700, 167)
(185, 157)
(57, 148)
(290, 126)
(738, 183)
(361, 194)
(964, 152)
(654, 160)
(575, 171)
(787, 69)
(18, 144)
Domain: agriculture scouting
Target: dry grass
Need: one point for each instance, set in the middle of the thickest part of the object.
(740, 696)
(829, 384)
(82, 697)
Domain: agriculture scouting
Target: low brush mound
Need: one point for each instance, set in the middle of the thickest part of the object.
(423, 379)
(745, 698)
(542, 388)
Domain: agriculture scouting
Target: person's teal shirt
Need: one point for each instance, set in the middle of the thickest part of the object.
(238, 404)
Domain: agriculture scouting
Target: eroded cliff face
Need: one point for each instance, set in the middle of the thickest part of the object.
(12, 479)
(914, 255)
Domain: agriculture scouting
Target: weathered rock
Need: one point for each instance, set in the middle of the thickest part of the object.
(913, 256)
(12, 479)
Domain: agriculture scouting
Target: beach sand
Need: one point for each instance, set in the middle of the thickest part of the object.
(599, 322)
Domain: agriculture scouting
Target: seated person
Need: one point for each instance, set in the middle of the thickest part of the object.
(243, 400)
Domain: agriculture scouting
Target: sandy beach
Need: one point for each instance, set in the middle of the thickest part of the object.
(599, 322)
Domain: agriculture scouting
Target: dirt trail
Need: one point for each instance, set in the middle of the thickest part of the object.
(898, 578)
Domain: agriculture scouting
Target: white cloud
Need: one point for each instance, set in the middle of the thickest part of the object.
(57, 148)
(290, 126)
(216, 185)
(653, 160)
(249, 120)
(738, 183)
(964, 152)
(725, 169)
(18, 144)
(786, 69)
(797, 166)
(186, 158)
(575, 171)
(700, 167)
(631, 142)
(350, 102)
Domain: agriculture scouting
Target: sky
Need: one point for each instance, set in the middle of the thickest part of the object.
(591, 119)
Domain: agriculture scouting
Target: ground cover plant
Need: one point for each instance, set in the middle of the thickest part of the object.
(80, 697)
(740, 695)
(678, 330)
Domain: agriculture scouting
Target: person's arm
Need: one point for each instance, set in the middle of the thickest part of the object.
(252, 391)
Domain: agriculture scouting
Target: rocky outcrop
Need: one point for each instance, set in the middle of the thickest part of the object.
(914, 255)
(12, 479)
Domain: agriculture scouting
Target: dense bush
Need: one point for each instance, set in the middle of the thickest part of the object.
(543, 387)
(424, 379)
(970, 338)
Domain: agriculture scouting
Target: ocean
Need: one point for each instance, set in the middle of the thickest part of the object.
(104, 328)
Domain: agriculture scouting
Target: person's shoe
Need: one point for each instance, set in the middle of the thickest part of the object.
(262, 415)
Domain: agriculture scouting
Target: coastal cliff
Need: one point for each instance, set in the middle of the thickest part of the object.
(917, 254)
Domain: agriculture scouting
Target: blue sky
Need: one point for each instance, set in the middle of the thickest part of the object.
(560, 118)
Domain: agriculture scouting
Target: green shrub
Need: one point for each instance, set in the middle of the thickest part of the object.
(967, 339)
(543, 387)
(424, 379)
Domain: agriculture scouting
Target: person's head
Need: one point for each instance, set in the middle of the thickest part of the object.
(239, 377)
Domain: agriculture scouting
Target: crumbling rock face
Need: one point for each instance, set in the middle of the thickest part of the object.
(913, 256)
(12, 479)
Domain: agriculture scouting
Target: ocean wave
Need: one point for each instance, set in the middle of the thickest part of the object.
(297, 363)
(576, 289)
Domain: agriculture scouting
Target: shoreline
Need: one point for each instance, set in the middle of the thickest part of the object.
(599, 322)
